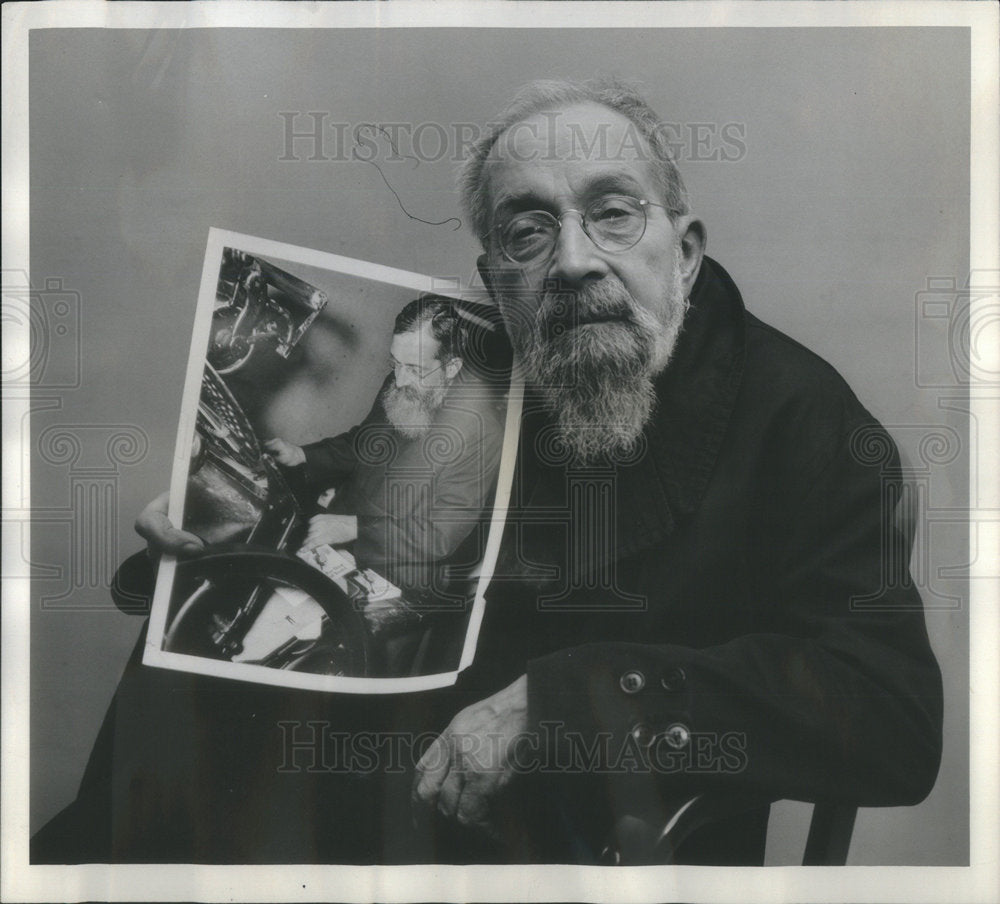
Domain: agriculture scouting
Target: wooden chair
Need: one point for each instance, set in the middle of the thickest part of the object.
(636, 842)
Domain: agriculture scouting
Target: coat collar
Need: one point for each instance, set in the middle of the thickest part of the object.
(697, 391)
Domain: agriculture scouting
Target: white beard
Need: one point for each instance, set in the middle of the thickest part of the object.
(594, 355)
(410, 410)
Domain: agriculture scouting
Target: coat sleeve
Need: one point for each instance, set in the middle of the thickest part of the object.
(838, 697)
(426, 516)
(330, 461)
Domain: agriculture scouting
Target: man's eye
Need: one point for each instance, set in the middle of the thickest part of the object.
(616, 219)
(610, 213)
(524, 234)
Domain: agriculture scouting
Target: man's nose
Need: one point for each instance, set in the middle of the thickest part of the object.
(575, 259)
(402, 377)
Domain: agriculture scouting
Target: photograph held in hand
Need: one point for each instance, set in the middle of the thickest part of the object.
(353, 556)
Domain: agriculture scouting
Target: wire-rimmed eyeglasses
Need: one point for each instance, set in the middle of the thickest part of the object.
(413, 370)
(613, 223)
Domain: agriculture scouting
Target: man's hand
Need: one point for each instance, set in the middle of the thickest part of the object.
(160, 535)
(335, 530)
(285, 453)
(467, 767)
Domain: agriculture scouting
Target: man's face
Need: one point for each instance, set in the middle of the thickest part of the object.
(414, 359)
(420, 380)
(591, 326)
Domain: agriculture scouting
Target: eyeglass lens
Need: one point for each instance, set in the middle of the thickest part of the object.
(413, 370)
(614, 223)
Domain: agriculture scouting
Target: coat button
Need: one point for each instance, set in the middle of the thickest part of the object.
(677, 736)
(642, 734)
(632, 681)
(674, 680)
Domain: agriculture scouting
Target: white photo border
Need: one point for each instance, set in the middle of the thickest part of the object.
(978, 882)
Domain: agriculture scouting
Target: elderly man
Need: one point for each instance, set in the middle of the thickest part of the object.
(724, 612)
(692, 593)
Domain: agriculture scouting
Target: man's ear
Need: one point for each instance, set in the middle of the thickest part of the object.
(452, 368)
(693, 238)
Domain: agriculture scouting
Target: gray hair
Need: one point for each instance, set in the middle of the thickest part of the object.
(616, 94)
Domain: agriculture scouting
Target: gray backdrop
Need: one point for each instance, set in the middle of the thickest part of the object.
(831, 167)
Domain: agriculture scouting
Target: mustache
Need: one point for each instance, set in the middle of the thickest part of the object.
(604, 302)
(410, 409)
(409, 393)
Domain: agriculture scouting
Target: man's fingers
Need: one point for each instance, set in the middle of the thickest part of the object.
(325, 529)
(284, 452)
(156, 529)
(432, 770)
(314, 531)
(450, 793)
(319, 531)
(473, 807)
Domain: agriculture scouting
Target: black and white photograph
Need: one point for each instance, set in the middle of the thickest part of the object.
(520, 452)
(337, 537)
